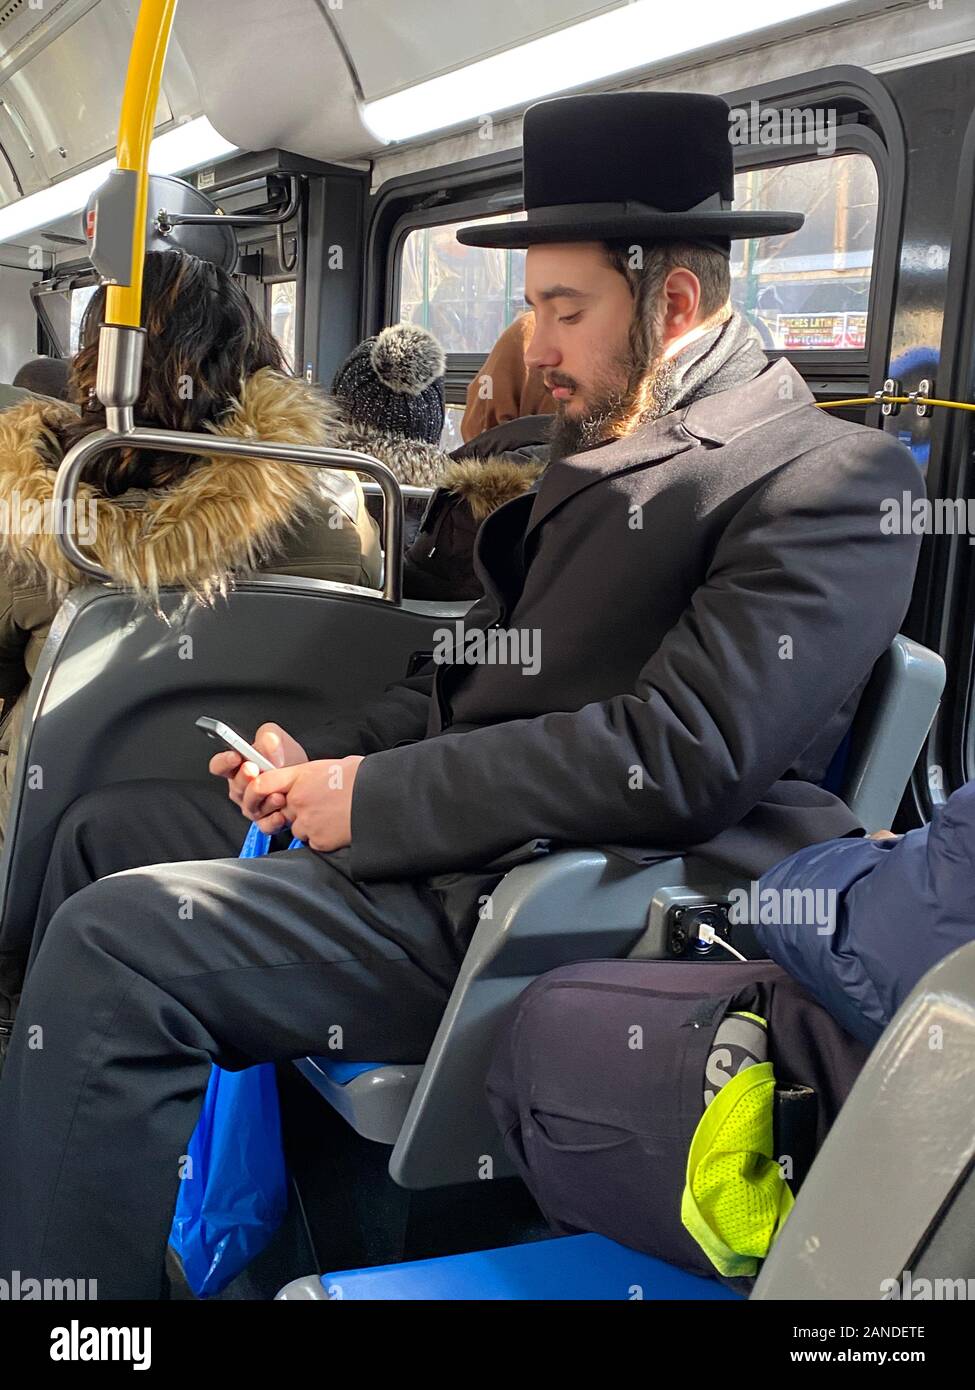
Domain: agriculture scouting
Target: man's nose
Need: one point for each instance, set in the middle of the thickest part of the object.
(541, 351)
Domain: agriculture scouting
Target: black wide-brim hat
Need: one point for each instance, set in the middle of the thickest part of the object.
(646, 165)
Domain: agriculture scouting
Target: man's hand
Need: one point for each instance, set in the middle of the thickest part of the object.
(317, 801)
(278, 747)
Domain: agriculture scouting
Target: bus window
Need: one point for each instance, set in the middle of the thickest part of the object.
(78, 305)
(282, 304)
(465, 295)
(451, 437)
(811, 289)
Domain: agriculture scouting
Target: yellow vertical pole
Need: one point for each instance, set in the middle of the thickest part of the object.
(150, 41)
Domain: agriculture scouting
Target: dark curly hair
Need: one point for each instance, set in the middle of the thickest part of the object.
(203, 340)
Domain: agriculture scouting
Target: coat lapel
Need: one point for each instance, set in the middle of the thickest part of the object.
(499, 552)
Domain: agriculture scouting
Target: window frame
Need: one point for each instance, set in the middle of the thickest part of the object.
(830, 372)
(943, 608)
(76, 275)
(269, 282)
(462, 367)
(258, 269)
(861, 97)
(831, 364)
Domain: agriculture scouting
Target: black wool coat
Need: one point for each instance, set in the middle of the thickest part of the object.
(706, 598)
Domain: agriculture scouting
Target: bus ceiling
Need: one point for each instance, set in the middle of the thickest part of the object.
(392, 83)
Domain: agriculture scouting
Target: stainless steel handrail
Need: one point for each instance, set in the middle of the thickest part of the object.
(166, 221)
(174, 442)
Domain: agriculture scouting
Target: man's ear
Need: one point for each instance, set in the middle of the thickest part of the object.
(682, 301)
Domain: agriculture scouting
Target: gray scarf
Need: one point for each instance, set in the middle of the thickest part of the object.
(727, 356)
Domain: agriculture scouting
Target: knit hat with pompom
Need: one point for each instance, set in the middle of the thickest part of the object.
(395, 382)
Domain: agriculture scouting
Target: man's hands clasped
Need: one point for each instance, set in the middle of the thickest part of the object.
(314, 798)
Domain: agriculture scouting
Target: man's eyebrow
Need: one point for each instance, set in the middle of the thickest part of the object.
(558, 292)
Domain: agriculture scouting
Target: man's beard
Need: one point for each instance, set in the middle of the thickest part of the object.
(613, 411)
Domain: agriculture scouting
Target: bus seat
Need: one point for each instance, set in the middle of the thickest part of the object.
(898, 1162)
(574, 905)
(569, 906)
(373, 1097)
(565, 1267)
(583, 904)
(892, 721)
(117, 691)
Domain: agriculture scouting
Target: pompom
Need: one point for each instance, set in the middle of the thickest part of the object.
(406, 358)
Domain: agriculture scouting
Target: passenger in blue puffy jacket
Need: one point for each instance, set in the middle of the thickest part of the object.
(895, 906)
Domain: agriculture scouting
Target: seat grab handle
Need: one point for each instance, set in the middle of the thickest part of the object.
(217, 445)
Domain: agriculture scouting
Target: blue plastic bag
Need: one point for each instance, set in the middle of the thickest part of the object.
(237, 1196)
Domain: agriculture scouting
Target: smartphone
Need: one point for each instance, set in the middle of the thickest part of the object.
(216, 728)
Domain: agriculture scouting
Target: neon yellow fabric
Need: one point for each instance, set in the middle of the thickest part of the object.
(755, 1018)
(735, 1198)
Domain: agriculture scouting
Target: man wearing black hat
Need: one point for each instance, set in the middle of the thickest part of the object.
(675, 630)
(703, 562)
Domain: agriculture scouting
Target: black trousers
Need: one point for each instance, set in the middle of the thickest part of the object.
(154, 956)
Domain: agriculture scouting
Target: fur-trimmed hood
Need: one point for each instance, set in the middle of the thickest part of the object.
(220, 517)
(488, 485)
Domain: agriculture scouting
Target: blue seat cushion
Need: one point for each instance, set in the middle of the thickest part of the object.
(566, 1267)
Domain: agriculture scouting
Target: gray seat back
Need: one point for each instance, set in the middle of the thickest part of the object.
(576, 905)
(897, 1163)
(117, 691)
(892, 721)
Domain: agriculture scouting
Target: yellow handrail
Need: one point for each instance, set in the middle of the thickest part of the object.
(149, 44)
(881, 399)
